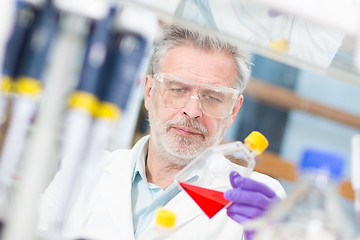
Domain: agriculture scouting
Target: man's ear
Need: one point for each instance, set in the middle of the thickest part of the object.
(148, 87)
(236, 108)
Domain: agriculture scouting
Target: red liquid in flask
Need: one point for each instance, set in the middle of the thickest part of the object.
(210, 201)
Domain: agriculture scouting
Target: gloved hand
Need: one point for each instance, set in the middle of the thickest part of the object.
(250, 198)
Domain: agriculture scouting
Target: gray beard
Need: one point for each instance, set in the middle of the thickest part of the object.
(179, 150)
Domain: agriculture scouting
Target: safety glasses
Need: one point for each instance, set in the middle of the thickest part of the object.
(176, 92)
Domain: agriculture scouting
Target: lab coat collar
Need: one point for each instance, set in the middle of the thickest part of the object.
(140, 153)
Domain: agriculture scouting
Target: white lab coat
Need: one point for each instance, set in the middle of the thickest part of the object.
(107, 215)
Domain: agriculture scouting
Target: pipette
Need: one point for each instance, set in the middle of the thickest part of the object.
(122, 68)
(40, 158)
(21, 31)
(355, 172)
(82, 107)
(25, 62)
(89, 131)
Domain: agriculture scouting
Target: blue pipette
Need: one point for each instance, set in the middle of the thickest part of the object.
(83, 105)
(26, 65)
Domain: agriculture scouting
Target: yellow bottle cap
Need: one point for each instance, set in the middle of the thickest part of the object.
(280, 45)
(256, 142)
(165, 218)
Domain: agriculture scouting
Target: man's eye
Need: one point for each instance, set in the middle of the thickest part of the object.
(177, 90)
(212, 99)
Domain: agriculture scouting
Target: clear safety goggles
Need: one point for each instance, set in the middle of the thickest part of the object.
(175, 92)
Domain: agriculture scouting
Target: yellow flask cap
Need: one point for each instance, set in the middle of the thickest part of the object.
(165, 218)
(256, 142)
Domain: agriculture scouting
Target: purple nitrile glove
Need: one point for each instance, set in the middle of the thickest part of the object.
(250, 199)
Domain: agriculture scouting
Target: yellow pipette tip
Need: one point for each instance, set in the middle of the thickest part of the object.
(256, 142)
(165, 218)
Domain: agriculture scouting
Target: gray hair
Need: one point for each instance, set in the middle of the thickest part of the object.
(175, 35)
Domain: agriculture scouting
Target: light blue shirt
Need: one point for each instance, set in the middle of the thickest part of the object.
(145, 196)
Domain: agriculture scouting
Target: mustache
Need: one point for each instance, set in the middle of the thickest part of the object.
(187, 123)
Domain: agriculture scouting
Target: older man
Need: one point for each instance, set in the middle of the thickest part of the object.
(192, 96)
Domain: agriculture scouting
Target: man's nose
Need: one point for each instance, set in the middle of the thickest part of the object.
(192, 108)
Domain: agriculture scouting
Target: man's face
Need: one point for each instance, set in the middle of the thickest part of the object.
(181, 134)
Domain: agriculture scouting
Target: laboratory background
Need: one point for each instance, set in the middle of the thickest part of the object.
(304, 91)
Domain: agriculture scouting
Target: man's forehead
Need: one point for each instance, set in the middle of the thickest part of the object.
(200, 66)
